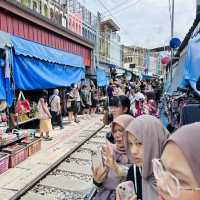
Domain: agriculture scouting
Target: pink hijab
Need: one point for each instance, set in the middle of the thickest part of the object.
(187, 138)
(123, 121)
(120, 156)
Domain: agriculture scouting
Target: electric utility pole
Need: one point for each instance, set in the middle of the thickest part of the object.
(172, 35)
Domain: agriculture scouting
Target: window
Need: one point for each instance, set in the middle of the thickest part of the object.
(46, 13)
(35, 6)
(24, 2)
(51, 13)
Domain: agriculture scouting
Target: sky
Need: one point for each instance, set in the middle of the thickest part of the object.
(146, 23)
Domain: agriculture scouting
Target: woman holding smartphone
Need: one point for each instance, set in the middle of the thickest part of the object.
(178, 171)
(145, 140)
(106, 179)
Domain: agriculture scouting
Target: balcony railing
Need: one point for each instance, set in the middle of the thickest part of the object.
(61, 13)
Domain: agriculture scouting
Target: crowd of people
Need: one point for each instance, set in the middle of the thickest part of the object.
(77, 99)
(141, 151)
(141, 160)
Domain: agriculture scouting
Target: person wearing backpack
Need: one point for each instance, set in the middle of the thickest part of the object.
(55, 108)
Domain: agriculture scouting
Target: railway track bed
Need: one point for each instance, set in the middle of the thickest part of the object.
(72, 177)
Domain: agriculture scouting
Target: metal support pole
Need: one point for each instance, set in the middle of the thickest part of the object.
(97, 49)
(172, 35)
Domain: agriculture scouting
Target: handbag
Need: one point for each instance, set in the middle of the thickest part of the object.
(22, 105)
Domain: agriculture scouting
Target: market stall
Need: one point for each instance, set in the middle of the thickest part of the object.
(28, 66)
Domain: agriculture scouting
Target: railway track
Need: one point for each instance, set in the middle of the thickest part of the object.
(69, 178)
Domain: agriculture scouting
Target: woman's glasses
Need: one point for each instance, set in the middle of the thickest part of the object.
(167, 181)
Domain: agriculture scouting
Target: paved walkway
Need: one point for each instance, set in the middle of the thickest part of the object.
(63, 141)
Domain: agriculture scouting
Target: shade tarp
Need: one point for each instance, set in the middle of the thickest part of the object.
(178, 76)
(36, 66)
(31, 74)
(146, 77)
(192, 66)
(2, 84)
(42, 52)
(102, 79)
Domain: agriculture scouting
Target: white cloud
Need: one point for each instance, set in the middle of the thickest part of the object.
(147, 23)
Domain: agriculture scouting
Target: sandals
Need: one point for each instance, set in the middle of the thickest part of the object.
(48, 138)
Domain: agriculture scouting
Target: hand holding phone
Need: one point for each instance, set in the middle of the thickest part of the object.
(126, 191)
(97, 160)
(108, 156)
(98, 169)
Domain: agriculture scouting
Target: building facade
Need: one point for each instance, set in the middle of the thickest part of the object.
(141, 60)
(53, 23)
(109, 47)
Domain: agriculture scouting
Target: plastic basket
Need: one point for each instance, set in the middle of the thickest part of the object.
(34, 146)
(4, 162)
(17, 154)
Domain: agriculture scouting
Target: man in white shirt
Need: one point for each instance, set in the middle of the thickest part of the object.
(55, 109)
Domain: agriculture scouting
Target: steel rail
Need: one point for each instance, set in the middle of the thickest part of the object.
(29, 186)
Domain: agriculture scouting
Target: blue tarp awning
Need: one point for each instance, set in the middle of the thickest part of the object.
(187, 71)
(36, 66)
(2, 84)
(146, 77)
(102, 79)
(42, 52)
(192, 67)
(178, 76)
(31, 74)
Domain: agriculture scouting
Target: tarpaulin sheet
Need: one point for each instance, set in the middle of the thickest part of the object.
(32, 73)
(42, 52)
(188, 70)
(102, 79)
(192, 66)
(146, 77)
(178, 76)
(2, 84)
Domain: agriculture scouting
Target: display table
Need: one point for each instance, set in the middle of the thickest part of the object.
(29, 120)
(16, 138)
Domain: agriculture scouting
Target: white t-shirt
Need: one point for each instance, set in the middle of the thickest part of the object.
(54, 101)
(77, 95)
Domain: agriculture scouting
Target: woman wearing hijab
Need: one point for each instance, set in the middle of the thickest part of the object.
(145, 140)
(108, 186)
(178, 170)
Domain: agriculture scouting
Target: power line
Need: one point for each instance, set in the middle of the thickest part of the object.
(120, 4)
(102, 4)
(128, 6)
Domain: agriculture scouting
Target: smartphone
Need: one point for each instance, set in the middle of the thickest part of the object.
(97, 160)
(126, 191)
